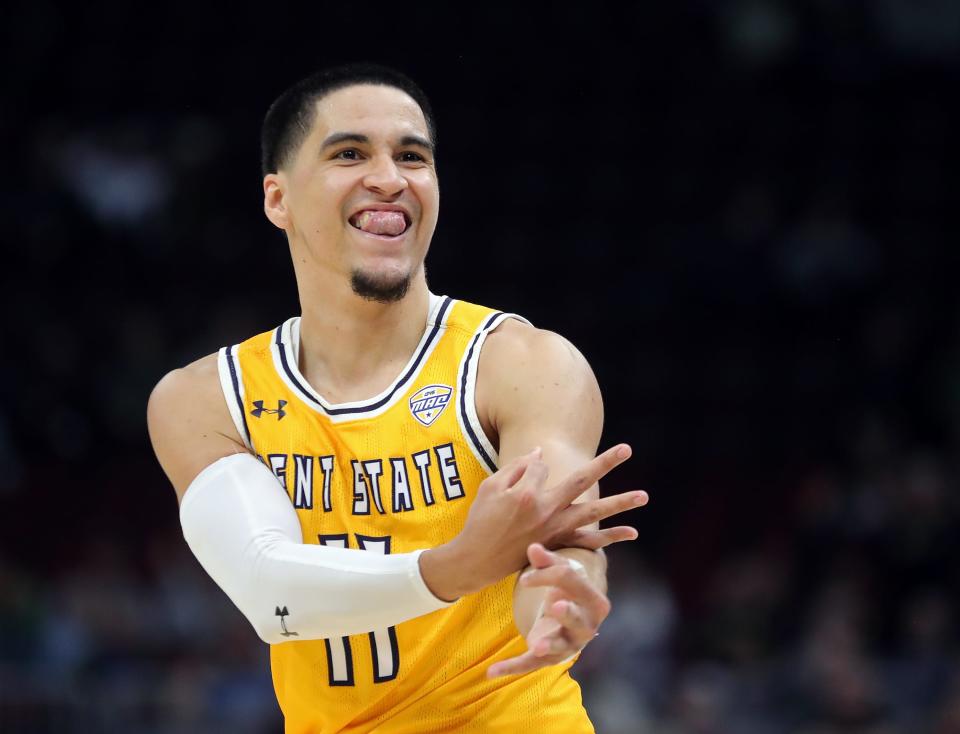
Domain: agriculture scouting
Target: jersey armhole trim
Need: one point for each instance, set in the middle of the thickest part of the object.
(480, 444)
(231, 383)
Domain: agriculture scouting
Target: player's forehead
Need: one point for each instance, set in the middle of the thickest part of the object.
(369, 109)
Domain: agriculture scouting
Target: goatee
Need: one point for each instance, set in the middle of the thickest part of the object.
(382, 291)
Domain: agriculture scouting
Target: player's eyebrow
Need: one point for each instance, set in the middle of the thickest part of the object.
(416, 140)
(347, 137)
(336, 138)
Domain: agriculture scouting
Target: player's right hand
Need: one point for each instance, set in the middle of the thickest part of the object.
(513, 509)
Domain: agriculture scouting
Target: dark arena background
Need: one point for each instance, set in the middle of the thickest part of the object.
(738, 210)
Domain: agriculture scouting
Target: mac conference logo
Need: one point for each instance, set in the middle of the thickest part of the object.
(428, 403)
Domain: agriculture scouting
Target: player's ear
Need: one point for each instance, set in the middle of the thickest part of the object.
(274, 203)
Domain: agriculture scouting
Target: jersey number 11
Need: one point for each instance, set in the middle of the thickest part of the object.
(383, 643)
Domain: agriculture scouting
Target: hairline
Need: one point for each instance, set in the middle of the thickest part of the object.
(319, 96)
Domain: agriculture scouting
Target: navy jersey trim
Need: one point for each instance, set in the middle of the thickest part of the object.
(471, 434)
(307, 393)
(236, 393)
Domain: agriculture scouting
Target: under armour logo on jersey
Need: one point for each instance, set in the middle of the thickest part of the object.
(259, 410)
(283, 623)
(428, 403)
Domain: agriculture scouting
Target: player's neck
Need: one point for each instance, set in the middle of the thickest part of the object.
(351, 348)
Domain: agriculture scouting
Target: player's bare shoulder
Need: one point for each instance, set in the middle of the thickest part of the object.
(189, 423)
(534, 372)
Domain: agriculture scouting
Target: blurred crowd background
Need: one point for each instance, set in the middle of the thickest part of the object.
(741, 211)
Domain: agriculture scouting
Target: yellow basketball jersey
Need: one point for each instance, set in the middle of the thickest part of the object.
(393, 474)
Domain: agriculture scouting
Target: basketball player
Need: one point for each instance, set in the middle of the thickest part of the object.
(365, 480)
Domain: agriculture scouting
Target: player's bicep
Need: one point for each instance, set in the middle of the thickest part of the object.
(189, 423)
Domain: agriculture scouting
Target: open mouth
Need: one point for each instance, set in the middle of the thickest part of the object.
(384, 223)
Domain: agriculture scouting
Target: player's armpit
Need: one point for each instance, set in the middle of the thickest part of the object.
(189, 423)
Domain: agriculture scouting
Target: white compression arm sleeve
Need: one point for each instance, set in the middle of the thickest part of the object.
(241, 526)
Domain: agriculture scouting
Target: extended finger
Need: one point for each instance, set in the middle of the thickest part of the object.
(524, 664)
(515, 666)
(595, 539)
(510, 474)
(555, 645)
(534, 476)
(586, 476)
(585, 513)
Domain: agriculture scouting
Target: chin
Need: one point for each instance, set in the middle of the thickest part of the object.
(380, 287)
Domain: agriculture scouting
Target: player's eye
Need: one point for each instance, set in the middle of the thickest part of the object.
(409, 156)
(348, 154)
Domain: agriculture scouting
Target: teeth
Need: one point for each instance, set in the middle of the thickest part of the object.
(364, 219)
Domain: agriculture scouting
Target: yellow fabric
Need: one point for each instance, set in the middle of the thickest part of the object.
(440, 685)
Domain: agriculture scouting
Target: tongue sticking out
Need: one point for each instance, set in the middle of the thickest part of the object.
(379, 222)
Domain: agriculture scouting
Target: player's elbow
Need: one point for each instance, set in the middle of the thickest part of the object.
(265, 620)
(257, 589)
(268, 630)
(254, 596)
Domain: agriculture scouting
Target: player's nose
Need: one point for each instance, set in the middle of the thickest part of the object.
(385, 177)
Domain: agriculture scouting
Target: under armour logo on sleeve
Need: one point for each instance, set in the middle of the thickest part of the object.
(283, 623)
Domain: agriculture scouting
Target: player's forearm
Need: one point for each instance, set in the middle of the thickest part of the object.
(240, 525)
(449, 571)
(528, 600)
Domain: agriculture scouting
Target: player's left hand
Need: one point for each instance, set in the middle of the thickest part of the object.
(573, 610)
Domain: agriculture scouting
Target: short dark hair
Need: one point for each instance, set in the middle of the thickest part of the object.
(290, 117)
